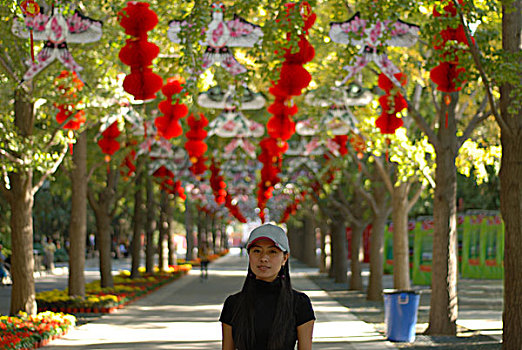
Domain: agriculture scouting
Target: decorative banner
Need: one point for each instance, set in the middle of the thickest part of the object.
(373, 38)
(220, 36)
(337, 121)
(231, 123)
(57, 31)
(137, 19)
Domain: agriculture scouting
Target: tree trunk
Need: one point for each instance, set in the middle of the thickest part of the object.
(78, 224)
(150, 226)
(295, 239)
(22, 260)
(511, 186)
(163, 232)
(224, 237)
(309, 254)
(377, 242)
(357, 257)
(102, 212)
(401, 249)
(21, 203)
(444, 305)
(213, 233)
(339, 250)
(189, 228)
(322, 259)
(137, 219)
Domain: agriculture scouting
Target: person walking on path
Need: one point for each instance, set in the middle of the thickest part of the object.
(49, 249)
(267, 313)
(203, 260)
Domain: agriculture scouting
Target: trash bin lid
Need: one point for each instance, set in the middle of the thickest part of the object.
(400, 291)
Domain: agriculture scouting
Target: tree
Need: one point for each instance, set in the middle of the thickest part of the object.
(26, 151)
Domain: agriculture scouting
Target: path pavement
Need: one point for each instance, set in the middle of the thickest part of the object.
(184, 315)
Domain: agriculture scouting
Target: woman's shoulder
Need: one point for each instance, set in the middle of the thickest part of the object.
(300, 295)
(301, 299)
(232, 298)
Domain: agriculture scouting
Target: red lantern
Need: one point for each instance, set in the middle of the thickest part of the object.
(137, 19)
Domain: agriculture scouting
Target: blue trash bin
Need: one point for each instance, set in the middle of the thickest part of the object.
(400, 314)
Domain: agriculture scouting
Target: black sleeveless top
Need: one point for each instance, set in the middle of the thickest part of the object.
(267, 294)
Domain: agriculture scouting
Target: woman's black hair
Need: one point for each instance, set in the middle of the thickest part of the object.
(283, 327)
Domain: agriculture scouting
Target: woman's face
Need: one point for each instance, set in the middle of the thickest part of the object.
(266, 260)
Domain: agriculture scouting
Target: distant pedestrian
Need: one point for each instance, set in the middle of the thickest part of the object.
(4, 268)
(204, 260)
(267, 313)
(49, 249)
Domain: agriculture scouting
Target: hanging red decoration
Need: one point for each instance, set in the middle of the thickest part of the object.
(196, 146)
(341, 140)
(173, 187)
(128, 167)
(293, 78)
(448, 75)
(217, 184)
(30, 8)
(137, 19)
(392, 102)
(70, 86)
(168, 124)
(108, 143)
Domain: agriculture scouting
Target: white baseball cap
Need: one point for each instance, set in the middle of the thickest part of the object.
(272, 232)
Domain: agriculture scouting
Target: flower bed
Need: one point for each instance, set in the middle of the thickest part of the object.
(197, 261)
(28, 332)
(106, 300)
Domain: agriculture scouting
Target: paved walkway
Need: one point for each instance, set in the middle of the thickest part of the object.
(184, 315)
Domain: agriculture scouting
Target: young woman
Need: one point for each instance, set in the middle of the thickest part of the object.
(267, 314)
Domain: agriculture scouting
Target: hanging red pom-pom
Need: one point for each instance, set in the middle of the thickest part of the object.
(393, 105)
(174, 86)
(292, 80)
(281, 108)
(168, 127)
(305, 54)
(280, 127)
(196, 148)
(138, 53)
(137, 18)
(108, 146)
(388, 123)
(447, 77)
(341, 140)
(142, 84)
(386, 84)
